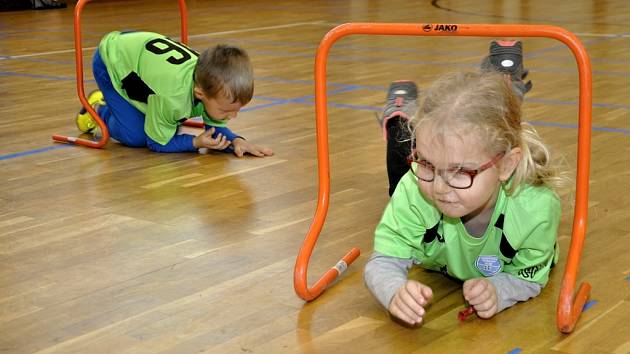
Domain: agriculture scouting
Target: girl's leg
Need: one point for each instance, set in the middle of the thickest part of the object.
(124, 121)
(398, 149)
(401, 106)
(507, 57)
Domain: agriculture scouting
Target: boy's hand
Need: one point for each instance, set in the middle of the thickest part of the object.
(241, 147)
(409, 301)
(205, 140)
(481, 294)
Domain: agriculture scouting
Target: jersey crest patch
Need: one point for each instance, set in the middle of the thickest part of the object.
(488, 265)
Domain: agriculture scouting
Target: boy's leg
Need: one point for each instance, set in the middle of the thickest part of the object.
(507, 57)
(401, 105)
(85, 122)
(124, 121)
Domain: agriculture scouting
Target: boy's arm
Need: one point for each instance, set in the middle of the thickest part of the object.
(179, 143)
(384, 275)
(224, 131)
(511, 290)
(185, 142)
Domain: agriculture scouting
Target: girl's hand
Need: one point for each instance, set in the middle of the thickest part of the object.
(409, 302)
(205, 140)
(481, 294)
(241, 147)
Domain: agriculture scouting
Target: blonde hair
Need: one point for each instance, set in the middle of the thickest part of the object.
(227, 70)
(485, 104)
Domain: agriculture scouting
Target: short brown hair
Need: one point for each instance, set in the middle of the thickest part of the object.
(225, 69)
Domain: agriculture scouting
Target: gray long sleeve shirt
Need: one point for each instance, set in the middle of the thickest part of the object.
(384, 275)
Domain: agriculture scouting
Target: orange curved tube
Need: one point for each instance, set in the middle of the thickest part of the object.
(78, 55)
(569, 307)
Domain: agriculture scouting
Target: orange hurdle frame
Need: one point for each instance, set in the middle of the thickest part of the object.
(569, 307)
(78, 54)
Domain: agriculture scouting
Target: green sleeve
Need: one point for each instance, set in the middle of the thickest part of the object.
(402, 226)
(538, 250)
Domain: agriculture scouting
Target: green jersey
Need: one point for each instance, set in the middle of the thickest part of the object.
(520, 238)
(154, 74)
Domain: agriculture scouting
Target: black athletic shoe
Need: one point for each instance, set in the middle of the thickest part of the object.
(402, 101)
(507, 57)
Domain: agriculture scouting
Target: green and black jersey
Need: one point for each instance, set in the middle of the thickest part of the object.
(155, 74)
(520, 238)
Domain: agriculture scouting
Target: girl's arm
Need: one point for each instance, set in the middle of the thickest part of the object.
(531, 238)
(489, 296)
(384, 275)
(511, 290)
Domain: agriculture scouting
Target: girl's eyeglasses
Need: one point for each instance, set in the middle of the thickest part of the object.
(455, 177)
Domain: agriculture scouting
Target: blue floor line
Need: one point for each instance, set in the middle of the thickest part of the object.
(574, 126)
(308, 100)
(589, 304)
(35, 151)
(38, 76)
(341, 86)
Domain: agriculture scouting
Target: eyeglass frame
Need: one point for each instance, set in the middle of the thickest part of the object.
(470, 172)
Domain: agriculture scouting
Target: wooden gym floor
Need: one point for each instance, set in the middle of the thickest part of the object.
(122, 250)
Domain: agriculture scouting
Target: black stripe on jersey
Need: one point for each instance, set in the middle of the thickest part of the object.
(136, 88)
(432, 233)
(506, 249)
(499, 223)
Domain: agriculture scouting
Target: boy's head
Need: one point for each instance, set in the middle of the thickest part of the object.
(224, 81)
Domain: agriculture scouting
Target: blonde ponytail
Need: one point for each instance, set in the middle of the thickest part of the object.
(536, 166)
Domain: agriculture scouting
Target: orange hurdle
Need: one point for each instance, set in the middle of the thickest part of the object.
(569, 306)
(78, 54)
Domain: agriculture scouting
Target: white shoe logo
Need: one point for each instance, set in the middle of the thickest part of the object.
(400, 92)
(507, 63)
